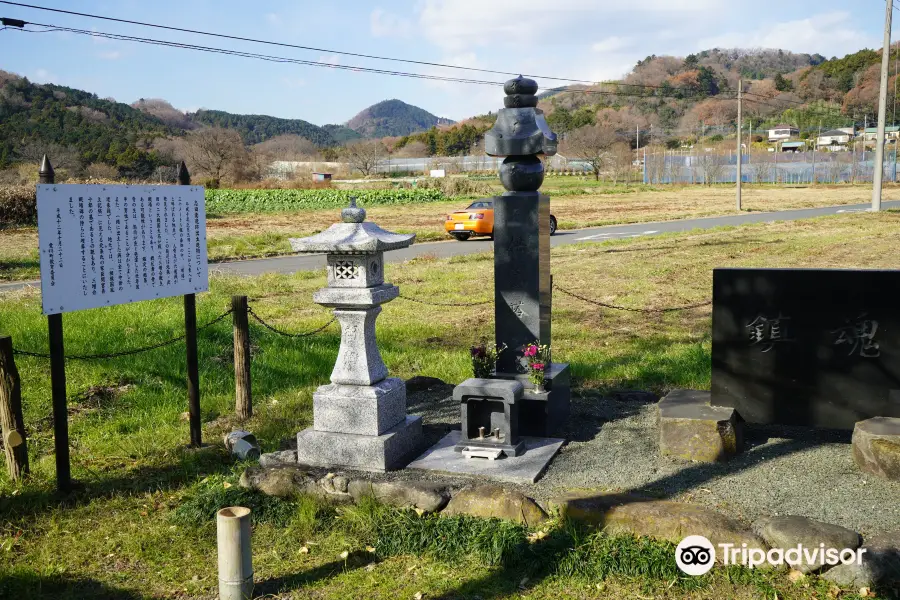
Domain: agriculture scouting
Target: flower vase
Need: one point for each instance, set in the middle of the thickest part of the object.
(539, 388)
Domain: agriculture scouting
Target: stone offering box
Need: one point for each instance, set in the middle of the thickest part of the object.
(813, 347)
(490, 416)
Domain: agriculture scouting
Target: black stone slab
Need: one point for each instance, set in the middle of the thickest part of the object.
(815, 347)
(545, 414)
(521, 274)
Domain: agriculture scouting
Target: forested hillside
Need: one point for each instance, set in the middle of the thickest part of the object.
(259, 128)
(664, 99)
(393, 117)
(681, 98)
(81, 127)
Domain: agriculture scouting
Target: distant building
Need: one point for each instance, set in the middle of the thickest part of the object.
(835, 137)
(321, 177)
(793, 146)
(780, 133)
(890, 133)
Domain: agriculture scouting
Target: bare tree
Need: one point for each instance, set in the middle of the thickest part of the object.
(61, 157)
(164, 111)
(214, 151)
(712, 167)
(621, 158)
(591, 145)
(412, 150)
(364, 155)
(287, 147)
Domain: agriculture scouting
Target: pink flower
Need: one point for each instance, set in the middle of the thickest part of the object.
(531, 351)
(537, 366)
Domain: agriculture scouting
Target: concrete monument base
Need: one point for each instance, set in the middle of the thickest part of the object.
(377, 453)
(526, 468)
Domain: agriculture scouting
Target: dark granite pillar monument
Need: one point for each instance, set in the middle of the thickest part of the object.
(522, 285)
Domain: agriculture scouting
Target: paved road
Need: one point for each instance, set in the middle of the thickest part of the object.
(294, 263)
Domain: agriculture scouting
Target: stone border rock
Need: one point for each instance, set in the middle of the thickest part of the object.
(280, 475)
(876, 447)
(693, 430)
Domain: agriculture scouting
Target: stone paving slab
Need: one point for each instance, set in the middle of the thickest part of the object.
(614, 447)
(525, 468)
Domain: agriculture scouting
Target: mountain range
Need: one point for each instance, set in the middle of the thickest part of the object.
(672, 97)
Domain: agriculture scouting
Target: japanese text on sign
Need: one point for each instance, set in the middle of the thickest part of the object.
(102, 245)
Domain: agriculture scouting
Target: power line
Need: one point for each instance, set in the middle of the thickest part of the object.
(285, 45)
(676, 93)
(266, 57)
(344, 53)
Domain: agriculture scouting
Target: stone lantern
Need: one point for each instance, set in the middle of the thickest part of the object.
(359, 419)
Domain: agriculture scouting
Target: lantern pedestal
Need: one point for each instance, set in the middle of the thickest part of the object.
(386, 452)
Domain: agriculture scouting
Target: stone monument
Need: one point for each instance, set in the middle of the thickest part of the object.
(522, 281)
(359, 419)
(809, 347)
(504, 417)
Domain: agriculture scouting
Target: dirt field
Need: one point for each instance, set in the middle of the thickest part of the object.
(572, 211)
(257, 235)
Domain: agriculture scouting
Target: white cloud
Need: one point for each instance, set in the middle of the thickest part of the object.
(830, 33)
(387, 25)
(273, 19)
(293, 82)
(613, 44)
(44, 76)
(457, 24)
(331, 59)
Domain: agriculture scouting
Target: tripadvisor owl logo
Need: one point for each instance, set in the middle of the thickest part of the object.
(695, 555)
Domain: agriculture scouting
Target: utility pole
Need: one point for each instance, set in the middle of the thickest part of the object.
(740, 159)
(815, 147)
(637, 154)
(750, 142)
(882, 108)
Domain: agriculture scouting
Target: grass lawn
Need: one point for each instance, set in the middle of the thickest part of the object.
(576, 202)
(142, 526)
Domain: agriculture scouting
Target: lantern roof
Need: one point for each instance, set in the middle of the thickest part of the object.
(352, 236)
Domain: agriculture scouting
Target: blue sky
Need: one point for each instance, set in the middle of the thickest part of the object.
(582, 39)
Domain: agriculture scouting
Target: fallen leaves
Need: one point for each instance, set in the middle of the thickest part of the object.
(794, 576)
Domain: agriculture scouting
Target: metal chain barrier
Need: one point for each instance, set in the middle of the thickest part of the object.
(420, 301)
(259, 320)
(628, 308)
(273, 329)
(125, 352)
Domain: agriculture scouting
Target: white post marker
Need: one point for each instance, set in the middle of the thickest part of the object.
(235, 554)
(102, 245)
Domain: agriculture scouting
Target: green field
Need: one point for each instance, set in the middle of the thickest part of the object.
(263, 201)
(142, 526)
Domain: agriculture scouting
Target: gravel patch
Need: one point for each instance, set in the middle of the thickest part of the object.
(613, 447)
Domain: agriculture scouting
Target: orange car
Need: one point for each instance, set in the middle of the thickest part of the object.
(477, 219)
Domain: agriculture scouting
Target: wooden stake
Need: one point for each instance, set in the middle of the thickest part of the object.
(193, 369)
(12, 424)
(243, 399)
(60, 408)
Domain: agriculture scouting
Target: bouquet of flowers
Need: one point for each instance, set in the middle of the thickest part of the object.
(538, 358)
(484, 358)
